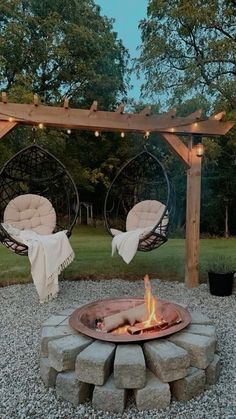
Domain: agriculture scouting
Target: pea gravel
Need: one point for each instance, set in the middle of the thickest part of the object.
(22, 393)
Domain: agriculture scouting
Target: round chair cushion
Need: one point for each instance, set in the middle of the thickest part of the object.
(31, 212)
(145, 214)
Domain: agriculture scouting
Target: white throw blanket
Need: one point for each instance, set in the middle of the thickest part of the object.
(126, 243)
(48, 255)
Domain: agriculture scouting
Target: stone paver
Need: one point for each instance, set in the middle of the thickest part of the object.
(190, 386)
(199, 318)
(129, 367)
(71, 389)
(94, 364)
(201, 329)
(52, 333)
(200, 348)
(68, 311)
(155, 395)
(109, 398)
(62, 352)
(166, 360)
(48, 374)
(54, 320)
(213, 371)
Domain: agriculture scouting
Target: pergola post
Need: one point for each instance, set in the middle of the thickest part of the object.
(192, 241)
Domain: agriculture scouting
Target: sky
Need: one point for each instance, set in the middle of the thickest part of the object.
(127, 15)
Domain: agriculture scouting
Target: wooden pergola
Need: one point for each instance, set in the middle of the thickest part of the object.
(168, 126)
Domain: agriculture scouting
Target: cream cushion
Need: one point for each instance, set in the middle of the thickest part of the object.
(31, 212)
(145, 214)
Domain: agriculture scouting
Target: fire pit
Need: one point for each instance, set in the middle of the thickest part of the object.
(105, 348)
(130, 319)
(86, 318)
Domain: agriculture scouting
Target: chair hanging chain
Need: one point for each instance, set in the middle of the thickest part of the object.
(34, 129)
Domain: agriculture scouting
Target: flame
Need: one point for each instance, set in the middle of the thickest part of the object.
(151, 304)
(152, 316)
(120, 330)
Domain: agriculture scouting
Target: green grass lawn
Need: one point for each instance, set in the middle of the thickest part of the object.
(93, 259)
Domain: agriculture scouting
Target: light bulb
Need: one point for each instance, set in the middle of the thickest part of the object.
(40, 125)
(122, 134)
(68, 131)
(199, 149)
(96, 134)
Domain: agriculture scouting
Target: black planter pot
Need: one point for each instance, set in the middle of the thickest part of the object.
(221, 284)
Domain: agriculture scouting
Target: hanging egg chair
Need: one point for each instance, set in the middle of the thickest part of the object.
(34, 183)
(140, 198)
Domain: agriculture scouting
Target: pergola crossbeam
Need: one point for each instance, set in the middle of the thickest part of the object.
(92, 119)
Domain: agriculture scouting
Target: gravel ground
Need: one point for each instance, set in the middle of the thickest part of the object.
(22, 393)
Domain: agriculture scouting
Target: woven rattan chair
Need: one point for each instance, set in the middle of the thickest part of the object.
(35, 171)
(142, 180)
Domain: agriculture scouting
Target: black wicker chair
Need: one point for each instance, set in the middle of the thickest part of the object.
(141, 178)
(36, 171)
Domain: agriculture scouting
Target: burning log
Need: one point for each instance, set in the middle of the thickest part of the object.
(129, 317)
(150, 327)
(142, 327)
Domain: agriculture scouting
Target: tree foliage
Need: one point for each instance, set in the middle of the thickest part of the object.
(57, 48)
(190, 46)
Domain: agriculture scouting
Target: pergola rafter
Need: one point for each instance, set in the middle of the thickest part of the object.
(168, 125)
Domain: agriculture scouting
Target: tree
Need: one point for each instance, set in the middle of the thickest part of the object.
(57, 48)
(219, 186)
(189, 46)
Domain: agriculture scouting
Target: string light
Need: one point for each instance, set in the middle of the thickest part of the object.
(146, 135)
(68, 131)
(10, 119)
(96, 133)
(41, 126)
(122, 134)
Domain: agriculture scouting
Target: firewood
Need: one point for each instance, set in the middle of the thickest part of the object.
(141, 327)
(129, 317)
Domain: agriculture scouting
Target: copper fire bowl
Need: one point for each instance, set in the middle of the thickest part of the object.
(84, 319)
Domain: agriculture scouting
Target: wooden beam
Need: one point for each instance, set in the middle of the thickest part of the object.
(218, 116)
(94, 107)
(178, 147)
(171, 113)
(36, 100)
(197, 114)
(120, 108)
(110, 121)
(6, 127)
(192, 241)
(4, 97)
(208, 127)
(145, 111)
(66, 103)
